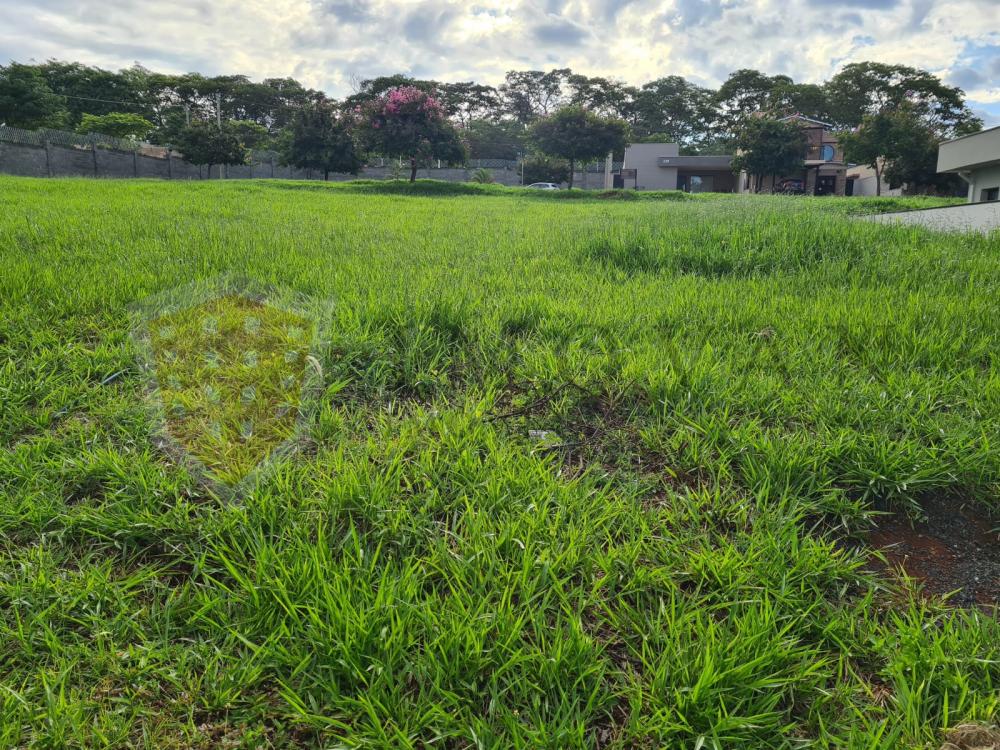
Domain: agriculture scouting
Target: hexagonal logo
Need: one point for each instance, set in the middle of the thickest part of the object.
(231, 371)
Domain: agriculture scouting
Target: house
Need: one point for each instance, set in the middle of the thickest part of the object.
(659, 166)
(824, 173)
(976, 159)
(862, 181)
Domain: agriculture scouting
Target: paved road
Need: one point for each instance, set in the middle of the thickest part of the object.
(981, 217)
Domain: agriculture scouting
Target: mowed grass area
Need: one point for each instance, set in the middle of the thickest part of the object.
(730, 388)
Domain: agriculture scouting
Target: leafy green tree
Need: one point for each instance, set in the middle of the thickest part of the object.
(205, 143)
(913, 159)
(251, 134)
(870, 144)
(770, 147)
(410, 123)
(900, 145)
(870, 88)
(321, 141)
(602, 95)
(806, 99)
(91, 90)
(578, 135)
(743, 95)
(26, 101)
(117, 124)
(541, 168)
(675, 109)
(530, 94)
(467, 102)
(494, 140)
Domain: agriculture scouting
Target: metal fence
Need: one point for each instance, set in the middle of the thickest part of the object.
(66, 138)
(261, 156)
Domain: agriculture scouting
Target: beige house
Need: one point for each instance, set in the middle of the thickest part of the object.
(976, 159)
(825, 172)
(659, 166)
(862, 181)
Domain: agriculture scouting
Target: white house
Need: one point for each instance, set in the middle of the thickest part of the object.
(976, 159)
(658, 166)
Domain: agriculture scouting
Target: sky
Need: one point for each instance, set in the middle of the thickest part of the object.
(333, 44)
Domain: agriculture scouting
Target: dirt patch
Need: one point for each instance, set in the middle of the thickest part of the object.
(972, 737)
(585, 428)
(954, 548)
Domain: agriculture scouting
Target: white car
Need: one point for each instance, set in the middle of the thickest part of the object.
(544, 186)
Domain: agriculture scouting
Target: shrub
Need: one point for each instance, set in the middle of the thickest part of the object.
(545, 169)
(483, 176)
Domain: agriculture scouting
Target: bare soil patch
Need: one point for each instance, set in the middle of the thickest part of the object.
(954, 548)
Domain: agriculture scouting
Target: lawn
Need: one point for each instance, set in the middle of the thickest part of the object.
(579, 473)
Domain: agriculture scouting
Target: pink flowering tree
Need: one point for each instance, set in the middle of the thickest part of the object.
(409, 123)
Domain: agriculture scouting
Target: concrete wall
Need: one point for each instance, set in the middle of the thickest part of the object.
(981, 180)
(982, 217)
(969, 151)
(59, 161)
(644, 158)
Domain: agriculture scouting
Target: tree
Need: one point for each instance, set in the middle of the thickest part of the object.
(745, 93)
(899, 145)
(26, 101)
(410, 123)
(251, 134)
(869, 88)
(371, 89)
(540, 168)
(90, 90)
(205, 143)
(770, 147)
(869, 144)
(676, 108)
(494, 140)
(321, 141)
(468, 101)
(576, 134)
(117, 124)
(601, 95)
(806, 99)
(530, 94)
(913, 158)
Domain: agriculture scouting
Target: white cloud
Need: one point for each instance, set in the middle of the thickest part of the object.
(330, 43)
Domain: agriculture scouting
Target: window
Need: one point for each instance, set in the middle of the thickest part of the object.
(826, 152)
(700, 183)
(990, 194)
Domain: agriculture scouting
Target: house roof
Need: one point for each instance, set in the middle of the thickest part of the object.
(689, 162)
(970, 152)
(972, 135)
(797, 116)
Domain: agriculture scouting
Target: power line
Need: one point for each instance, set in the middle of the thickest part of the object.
(106, 101)
(289, 105)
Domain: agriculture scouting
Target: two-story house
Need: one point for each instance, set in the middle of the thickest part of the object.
(824, 173)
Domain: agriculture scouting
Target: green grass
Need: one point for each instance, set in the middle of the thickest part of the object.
(578, 476)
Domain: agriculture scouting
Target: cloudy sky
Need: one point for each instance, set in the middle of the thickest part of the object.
(330, 44)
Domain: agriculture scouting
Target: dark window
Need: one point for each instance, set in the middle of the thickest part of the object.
(990, 194)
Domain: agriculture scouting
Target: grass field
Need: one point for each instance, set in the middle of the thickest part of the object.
(583, 473)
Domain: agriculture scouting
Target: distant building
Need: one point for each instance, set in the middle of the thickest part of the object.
(976, 159)
(659, 166)
(861, 180)
(824, 172)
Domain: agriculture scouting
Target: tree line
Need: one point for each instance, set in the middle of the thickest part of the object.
(881, 110)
